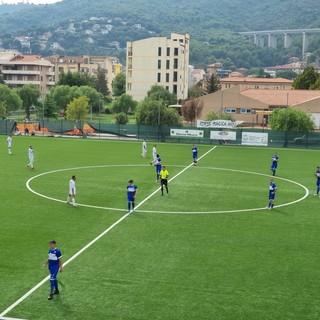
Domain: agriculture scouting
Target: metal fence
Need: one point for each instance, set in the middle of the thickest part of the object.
(100, 130)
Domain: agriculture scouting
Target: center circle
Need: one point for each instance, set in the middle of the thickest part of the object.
(28, 185)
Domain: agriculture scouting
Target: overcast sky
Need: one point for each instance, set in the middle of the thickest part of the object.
(31, 1)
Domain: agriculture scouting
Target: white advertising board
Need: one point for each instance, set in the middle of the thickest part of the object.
(223, 135)
(254, 139)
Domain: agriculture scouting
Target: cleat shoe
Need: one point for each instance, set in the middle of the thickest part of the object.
(50, 296)
(56, 291)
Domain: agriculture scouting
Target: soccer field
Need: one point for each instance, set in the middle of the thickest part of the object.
(208, 250)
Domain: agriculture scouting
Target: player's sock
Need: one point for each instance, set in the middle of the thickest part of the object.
(132, 206)
(52, 286)
(161, 190)
(318, 189)
(272, 205)
(167, 189)
(73, 201)
(68, 199)
(56, 285)
(129, 206)
(269, 205)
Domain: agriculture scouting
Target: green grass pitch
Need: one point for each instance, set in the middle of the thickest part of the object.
(240, 265)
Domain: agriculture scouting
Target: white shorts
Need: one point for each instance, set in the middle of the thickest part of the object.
(70, 192)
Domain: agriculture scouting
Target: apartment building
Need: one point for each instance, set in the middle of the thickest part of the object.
(158, 61)
(86, 64)
(19, 70)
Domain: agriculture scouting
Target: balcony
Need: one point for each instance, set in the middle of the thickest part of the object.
(51, 83)
(21, 82)
(20, 72)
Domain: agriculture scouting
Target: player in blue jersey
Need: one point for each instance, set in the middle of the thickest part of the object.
(54, 264)
(272, 193)
(158, 167)
(317, 174)
(132, 191)
(195, 155)
(274, 164)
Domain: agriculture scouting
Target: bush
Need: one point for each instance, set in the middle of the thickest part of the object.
(211, 115)
(108, 110)
(122, 118)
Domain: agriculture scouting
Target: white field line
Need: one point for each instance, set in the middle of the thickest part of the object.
(25, 296)
(307, 192)
(12, 319)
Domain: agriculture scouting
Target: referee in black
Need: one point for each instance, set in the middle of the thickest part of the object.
(164, 175)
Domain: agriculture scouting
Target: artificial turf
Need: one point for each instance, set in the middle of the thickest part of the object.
(242, 265)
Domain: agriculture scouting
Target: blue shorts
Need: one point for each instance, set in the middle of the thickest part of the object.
(272, 196)
(54, 272)
(130, 199)
(318, 183)
(195, 156)
(158, 169)
(274, 166)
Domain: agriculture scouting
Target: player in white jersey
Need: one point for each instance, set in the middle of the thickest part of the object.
(144, 148)
(9, 142)
(31, 158)
(154, 155)
(72, 191)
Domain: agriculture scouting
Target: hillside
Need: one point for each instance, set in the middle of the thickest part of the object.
(214, 21)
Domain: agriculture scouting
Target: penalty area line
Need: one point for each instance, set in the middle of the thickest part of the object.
(77, 254)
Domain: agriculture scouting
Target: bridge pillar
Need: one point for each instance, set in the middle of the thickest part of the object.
(305, 43)
(261, 42)
(287, 40)
(256, 39)
(272, 41)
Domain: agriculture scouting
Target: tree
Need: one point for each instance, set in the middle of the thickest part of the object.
(63, 95)
(191, 109)
(95, 98)
(78, 109)
(75, 79)
(306, 79)
(196, 91)
(10, 98)
(122, 118)
(316, 85)
(290, 75)
(1, 78)
(159, 93)
(154, 112)
(49, 108)
(212, 84)
(101, 82)
(3, 110)
(124, 103)
(29, 95)
(211, 115)
(119, 85)
(291, 119)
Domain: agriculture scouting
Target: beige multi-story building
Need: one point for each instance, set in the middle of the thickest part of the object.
(158, 61)
(19, 70)
(86, 64)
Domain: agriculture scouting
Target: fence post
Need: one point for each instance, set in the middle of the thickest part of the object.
(307, 139)
(286, 139)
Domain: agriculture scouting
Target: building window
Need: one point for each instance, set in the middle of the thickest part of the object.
(159, 52)
(129, 86)
(175, 76)
(176, 51)
(175, 89)
(167, 88)
(168, 64)
(159, 77)
(256, 87)
(230, 110)
(167, 77)
(175, 63)
(159, 64)
(168, 52)
(245, 111)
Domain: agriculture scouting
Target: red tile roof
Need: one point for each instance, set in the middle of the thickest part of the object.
(256, 80)
(281, 97)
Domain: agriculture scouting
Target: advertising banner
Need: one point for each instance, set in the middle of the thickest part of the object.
(222, 124)
(186, 133)
(254, 139)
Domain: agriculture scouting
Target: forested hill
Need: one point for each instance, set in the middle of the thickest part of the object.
(206, 20)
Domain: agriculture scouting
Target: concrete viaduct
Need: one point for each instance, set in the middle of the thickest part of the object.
(270, 37)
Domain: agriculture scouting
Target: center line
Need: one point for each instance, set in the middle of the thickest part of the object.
(25, 296)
